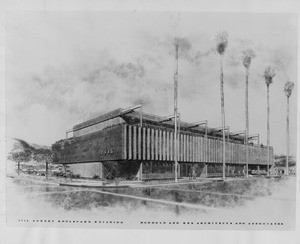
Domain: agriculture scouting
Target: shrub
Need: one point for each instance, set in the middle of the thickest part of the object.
(96, 177)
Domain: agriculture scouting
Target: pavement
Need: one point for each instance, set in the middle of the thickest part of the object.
(90, 183)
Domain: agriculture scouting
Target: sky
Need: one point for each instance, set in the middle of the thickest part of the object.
(63, 68)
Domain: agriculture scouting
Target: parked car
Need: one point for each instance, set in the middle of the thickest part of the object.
(58, 173)
(31, 171)
(41, 172)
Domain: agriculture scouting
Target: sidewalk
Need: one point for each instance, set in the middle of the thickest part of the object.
(136, 184)
(91, 183)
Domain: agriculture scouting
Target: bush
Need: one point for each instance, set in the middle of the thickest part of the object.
(77, 176)
(96, 177)
(74, 176)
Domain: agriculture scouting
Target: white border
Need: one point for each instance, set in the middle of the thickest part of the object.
(67, 235)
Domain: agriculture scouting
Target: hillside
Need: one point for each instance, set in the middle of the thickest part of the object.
(29, 155)
(22, 145)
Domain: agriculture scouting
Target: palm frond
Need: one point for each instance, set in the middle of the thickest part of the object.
(269, 74)
(222, 41)
(248, 55)
(288, 87)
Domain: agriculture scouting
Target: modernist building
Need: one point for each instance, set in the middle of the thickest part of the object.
(130, 144)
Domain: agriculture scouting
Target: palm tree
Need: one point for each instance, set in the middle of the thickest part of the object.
(248, 55)
(269, 74)
(176, 109)
(222, 43)
(288, 87)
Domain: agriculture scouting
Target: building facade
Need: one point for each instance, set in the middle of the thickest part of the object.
(130, 145)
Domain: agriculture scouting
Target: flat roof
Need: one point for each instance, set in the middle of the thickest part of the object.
(133, 117)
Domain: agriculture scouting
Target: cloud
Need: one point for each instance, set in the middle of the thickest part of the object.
(83, 90)
(187, 51)
(98, 81)
(75, 66)
(192, 57)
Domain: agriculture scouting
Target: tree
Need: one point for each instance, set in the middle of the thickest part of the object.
(43, 155)
(19, 156)
(288, 87)
(248, 55)
(222, 43)
(269, 74)
(176, 109)
(280, 161)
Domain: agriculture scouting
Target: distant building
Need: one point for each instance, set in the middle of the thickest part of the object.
(132, 145)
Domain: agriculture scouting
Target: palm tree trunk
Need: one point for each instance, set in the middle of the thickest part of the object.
(268, 130)
(47, 169)
(175, 113)
(287, 136)
(247, 122)
(222, 112)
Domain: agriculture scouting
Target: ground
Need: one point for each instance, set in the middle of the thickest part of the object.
(257, 202)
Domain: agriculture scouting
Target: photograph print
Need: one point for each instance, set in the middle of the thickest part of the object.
(161, 120)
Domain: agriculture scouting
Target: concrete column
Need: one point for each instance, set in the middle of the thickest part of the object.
(258, 170)
(140, 172)
(101, 175)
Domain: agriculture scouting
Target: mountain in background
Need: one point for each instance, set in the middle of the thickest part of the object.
(26, 155)
(22, 145)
